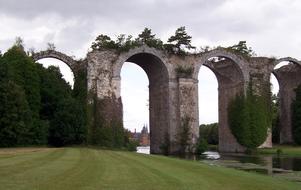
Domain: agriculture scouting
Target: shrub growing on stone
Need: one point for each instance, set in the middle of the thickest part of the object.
(296, 116)
(201, 146)
(250, 118)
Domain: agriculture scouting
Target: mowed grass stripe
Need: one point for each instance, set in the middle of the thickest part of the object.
(84, 173)
(184, 177)
(140, 176)
(149, 173)
(29, 164)
(42, 175)
(10, 159)
(93, 169)
(118, 172)
(28, 175)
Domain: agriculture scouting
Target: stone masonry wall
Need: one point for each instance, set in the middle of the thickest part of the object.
(173, 97)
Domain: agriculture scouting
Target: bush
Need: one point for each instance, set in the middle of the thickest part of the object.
(184, 134)
(279, 151)
(132, 145)
(250, 118)
(164, 147)
(201, 146)
(275, 119)
(209, 132)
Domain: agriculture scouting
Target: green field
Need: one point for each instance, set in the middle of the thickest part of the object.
(88, 168)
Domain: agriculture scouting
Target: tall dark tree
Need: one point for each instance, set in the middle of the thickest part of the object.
(146, 37)
(64, 113)
(15, 115)
(66, 126)
(296, 116)
(275, 119)
(242, 48)
(179, 41)
(103, 42)
(22, 70)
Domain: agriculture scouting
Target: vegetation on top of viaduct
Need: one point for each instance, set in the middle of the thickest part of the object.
(178, 44)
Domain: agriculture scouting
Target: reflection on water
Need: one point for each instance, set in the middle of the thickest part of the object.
(143, 149)
(284, 166)
(281, 166)
(272, 161)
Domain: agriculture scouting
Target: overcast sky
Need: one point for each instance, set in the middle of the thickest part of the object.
(271, 28)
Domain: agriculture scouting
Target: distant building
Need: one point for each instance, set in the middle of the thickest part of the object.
(142, 137)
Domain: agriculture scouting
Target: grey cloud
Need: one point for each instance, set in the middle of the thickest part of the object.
(218, 21)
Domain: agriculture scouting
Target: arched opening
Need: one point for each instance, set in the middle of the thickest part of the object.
(157, 75)
(288, 75)
(135, 94)
(275, 105)
(208, 105)
(230, 81)
(65, 70)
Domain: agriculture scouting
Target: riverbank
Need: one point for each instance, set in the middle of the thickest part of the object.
(288, 150)
(87, 168)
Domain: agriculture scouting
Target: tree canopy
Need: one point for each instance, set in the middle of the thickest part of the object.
(36, 103)
(179, 43)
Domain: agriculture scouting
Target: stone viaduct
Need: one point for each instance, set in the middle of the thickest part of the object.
(173, 88)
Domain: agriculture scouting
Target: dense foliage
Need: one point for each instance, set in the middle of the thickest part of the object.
(296, 116)
(179, 43)
(103, 132)
(275, 119)
(184, 135)
(125, 43)
(209, 132)
(64, 113)
(201, 146)
(242, 49)
(36, 104)
(249, 118)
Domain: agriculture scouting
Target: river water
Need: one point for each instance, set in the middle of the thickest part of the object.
(284, 166)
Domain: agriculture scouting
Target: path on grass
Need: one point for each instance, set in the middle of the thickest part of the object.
(87, 168)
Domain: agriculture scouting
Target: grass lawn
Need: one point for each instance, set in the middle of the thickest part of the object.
(87, 168)
(288, 150)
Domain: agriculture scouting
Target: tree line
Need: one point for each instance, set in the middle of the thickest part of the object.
(37, 106)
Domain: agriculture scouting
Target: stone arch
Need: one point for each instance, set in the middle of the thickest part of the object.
(241, 63)
(139, 50)
(154, 64)
(289, 59)
(232, 75)
(295, 62)
(70, 62)
(289, 78)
